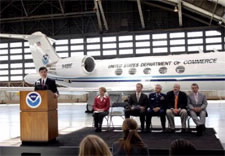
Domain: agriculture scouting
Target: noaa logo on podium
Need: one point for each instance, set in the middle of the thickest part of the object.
(33, 99)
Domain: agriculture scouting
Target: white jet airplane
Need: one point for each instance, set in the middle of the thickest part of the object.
(84, 73)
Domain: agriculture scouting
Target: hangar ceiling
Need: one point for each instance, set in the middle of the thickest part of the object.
(57, 17)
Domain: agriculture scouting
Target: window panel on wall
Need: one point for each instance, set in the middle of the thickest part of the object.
(4, 78)
(4, 72)
(60, 42)
(15, 44)
(77, 53)
(93, 39)
(29, 65)
(214, 47)
(16, 51)
(109, 39)
(93, 46)
(125, 51)
(29, 71)
(160, 50)
(28, 56)
(126, 38)
(27, 50)
(3, 58)
(3, 51)
(195, 48)
(109, 46)
(26, 44)
(159, 43)
(93, 53)
(142, 37)
(4, 66)
(177, 35)
(3, 45)
(16, 72)
(159, 36)
(77, 47)
(177, 49)
(16, 78)
(143, 51)
(142, 44)
(63, 54)
(77, 41)
(195, 41)
(126, 45)
(16, 65)
(177, 42)
(214, 40)
(195, 34)
(212, 33)
(61, 48)
(15, 57)
(109, 52)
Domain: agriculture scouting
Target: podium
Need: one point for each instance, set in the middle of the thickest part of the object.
(38, 116)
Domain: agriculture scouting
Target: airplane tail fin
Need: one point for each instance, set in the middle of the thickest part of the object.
(42, 51)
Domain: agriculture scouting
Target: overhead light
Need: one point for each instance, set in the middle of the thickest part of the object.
(220, 22)
(175, 9)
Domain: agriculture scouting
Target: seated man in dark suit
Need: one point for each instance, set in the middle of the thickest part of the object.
(137, 105)
(156, 107)
(45, 83)
(177, 103)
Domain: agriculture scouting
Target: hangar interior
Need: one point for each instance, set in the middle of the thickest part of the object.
(105, 29)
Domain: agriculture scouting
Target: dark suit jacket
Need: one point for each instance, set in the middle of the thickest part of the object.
(157, 101)
(117, 150)
(49, 85)
(143, 101)
(182, 100)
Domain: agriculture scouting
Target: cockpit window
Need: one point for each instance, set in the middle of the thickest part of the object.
(162, 70)
(147, 71)
(118, 71)
(180, 69)
(132, 71)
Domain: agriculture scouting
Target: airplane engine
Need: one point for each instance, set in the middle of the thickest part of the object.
(75, 66)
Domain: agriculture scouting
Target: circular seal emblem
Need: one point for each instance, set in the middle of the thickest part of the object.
(45, 59)
(33, 99)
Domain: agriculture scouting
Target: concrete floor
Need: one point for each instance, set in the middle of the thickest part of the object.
(72, 117)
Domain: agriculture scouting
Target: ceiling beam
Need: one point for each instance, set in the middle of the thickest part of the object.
(213, 13)
(141, 14)
(24, 9)
(61, 7)
(98, 15)
(103, 15)
(44, 17)
(180, 13)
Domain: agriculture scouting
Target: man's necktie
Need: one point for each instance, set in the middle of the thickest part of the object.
(176, 101)
(138, 97)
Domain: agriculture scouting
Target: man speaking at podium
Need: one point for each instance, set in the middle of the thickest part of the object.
(45, 83)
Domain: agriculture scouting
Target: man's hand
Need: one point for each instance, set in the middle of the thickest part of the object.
(156, 109)
(100, 110)
(176, 111)
(197, 109)
(56, 95)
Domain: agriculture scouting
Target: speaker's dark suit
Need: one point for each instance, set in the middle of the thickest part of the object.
(49, 85)
(133, 102)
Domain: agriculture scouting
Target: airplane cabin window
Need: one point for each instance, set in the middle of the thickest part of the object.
(147, 71)
(118, 71)
(180, 69)
(132, 71)
(162, 70)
